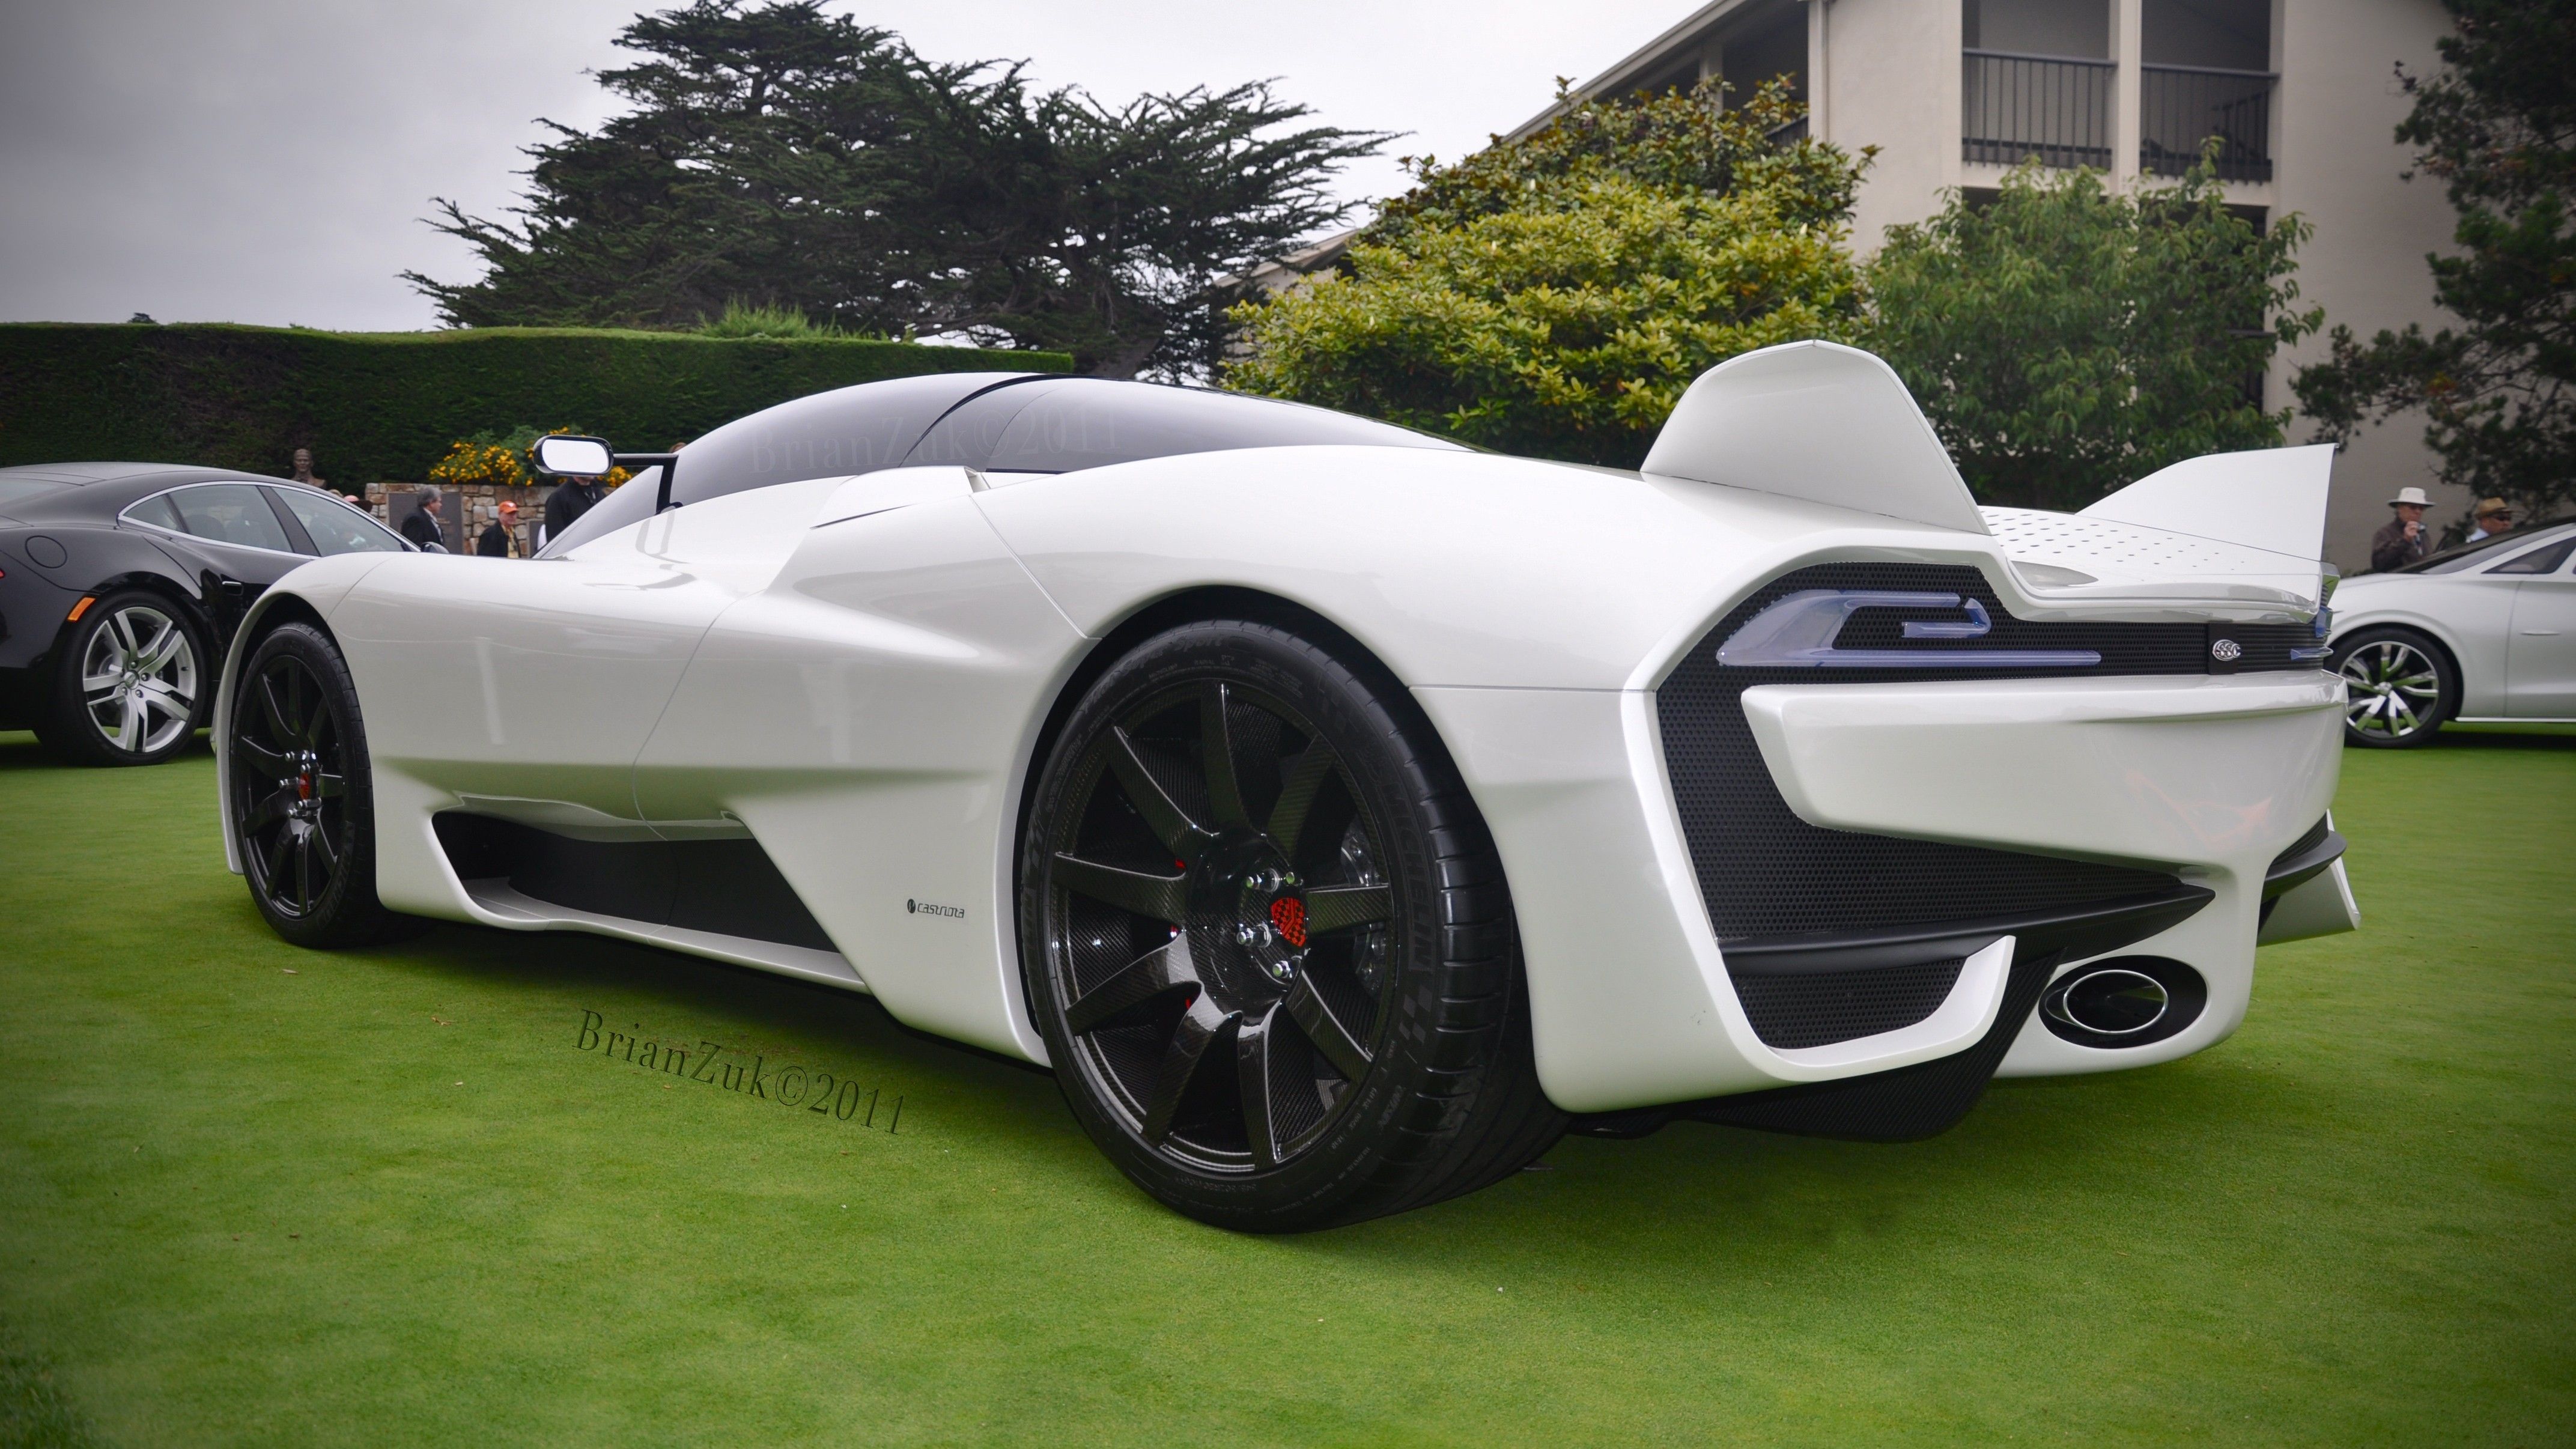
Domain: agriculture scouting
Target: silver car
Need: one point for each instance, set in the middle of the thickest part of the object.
(2478, 633)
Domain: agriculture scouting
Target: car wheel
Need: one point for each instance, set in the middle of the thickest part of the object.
(302, 804)
(2399, 687)
(133, 683)
(1267, 939)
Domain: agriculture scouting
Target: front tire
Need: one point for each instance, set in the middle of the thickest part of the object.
(2400, 687)
(302, 802)
(1267, 939)
(133, 684)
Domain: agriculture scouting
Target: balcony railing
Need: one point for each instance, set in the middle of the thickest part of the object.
(2052, 107)
(2181, 107)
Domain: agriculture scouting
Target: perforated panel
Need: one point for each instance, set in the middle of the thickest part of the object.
(1819, 1008)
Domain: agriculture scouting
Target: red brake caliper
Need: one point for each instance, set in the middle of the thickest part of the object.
(1288, 913)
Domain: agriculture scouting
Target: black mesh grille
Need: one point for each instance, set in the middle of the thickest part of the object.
(1766, 874)
(1819, 1008)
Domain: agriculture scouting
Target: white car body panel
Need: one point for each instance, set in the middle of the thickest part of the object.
(856, 674)
(2513, 636)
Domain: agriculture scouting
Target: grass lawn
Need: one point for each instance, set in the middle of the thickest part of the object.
(256, 1195)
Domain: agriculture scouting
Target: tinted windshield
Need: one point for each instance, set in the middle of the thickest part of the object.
(2478, 554)
(1062, 425)
(849, 430)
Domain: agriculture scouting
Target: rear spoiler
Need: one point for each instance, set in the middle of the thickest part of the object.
(1835, 425)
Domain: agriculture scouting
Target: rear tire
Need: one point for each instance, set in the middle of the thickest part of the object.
(2400, 687)
(302, 802)
(1268, 942)
(134, 682)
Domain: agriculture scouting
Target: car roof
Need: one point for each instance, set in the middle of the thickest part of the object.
(97, 492)
(2456, 557)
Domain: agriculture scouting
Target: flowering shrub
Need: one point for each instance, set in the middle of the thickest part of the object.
(500, 460)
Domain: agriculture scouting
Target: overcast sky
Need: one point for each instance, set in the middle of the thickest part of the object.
(269, 160)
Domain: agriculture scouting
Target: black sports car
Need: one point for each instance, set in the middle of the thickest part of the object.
(120, 586)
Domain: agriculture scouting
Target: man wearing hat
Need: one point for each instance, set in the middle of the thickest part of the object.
(2494, 516)
(2402, 541)
(501, 540)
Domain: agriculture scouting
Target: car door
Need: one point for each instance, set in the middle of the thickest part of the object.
(2540, 666)
(237, 542)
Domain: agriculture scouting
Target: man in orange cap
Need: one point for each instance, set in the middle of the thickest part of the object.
(501, 540)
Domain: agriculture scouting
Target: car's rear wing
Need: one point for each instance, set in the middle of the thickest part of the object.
(1835, 425)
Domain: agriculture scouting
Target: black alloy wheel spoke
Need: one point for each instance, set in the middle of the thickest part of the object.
(1161, 897)
(1324, 1027)
(1217, 756)
(1347, 908)
(329, 854)
(1200, 1028)
(1157, 972)
(1254, 1042)
(328, 786)
(273, 807)
(1172, 825)
(263, 762)
(1297, 797)
(303, 871)
(275, 709)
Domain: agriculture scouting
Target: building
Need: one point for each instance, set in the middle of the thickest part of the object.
(2302, 93)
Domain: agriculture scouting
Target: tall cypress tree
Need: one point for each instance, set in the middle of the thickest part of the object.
(778, 156)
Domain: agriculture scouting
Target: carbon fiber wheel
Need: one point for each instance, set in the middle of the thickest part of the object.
(301, 807)
(1238, 866)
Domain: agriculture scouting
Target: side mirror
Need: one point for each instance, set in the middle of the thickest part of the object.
(565, 456)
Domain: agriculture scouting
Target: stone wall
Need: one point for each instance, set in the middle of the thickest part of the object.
(481, 505)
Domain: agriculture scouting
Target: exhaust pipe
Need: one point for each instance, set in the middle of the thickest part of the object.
(2123, 1002)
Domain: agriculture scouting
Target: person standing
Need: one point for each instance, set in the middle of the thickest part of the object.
(501, 538)
(2403, 540)
(422, 526)
(572, 498)
(2494, 516)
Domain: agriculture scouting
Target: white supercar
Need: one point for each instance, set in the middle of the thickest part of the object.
(1340, 812)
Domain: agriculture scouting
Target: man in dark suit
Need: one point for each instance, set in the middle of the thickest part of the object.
(572, 498)
(422, 527)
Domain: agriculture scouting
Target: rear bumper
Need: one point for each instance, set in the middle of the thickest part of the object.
(2215, 774)
(2205, 778)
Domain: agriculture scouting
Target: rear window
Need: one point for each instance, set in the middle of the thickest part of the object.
(158, 513)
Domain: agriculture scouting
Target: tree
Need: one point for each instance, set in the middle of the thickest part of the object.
(1554, 296)
(777, 156)
(2066, 339)
(2498, 126)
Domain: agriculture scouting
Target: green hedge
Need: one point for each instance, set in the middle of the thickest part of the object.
(384, 406)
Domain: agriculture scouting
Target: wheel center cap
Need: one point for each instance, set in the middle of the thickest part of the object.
(1251, 908)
